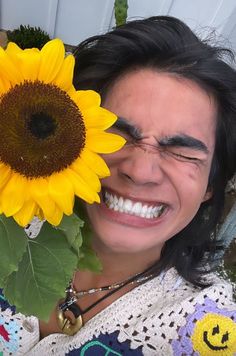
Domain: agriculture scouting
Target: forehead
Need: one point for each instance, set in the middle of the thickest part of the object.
(162, 104)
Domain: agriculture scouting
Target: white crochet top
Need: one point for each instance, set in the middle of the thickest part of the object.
(164, 316)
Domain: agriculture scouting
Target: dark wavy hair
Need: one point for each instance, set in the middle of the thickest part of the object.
(166, 44)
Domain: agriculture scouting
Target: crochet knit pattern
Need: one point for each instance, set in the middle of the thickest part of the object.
(164, 316)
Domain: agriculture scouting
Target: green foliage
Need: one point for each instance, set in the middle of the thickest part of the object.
(43, 273)
(87, 257)
(71, 226)
(12, 247)
(28, 37)
(121, 8)
(35, 272)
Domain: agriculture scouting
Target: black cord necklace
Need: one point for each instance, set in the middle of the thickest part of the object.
(69, 304)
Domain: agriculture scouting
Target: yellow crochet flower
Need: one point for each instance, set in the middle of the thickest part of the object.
(50, 137)
(215, 334)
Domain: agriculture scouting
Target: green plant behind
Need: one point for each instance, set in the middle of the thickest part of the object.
(121, 7)
(28, 37)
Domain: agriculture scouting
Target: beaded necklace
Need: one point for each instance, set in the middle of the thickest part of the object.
(65, 323)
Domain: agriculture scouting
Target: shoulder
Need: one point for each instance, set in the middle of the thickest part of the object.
(203, 321)
(18, 334)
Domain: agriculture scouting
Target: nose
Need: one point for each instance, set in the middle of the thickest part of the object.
(142, 165)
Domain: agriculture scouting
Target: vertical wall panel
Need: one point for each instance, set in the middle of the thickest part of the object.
(74, 20)
(203, 16)
(208, 14)
(141, 9)
(28, 12)
(78, 19)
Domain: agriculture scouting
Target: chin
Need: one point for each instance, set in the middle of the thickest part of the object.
(123, 231)
(123, 234)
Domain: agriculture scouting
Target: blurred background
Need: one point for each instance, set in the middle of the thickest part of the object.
(75, 20)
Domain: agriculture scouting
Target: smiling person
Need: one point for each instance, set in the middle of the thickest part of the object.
(154, 231)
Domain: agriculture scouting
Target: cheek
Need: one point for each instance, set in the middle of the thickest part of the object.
(190, 180)
(191, 193)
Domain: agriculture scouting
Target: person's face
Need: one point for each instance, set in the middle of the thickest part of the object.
(159, 179)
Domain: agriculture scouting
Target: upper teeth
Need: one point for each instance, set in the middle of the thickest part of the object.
(134, 208)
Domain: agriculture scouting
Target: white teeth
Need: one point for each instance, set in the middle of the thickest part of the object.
(149, 210)
(120, 202)
(127, 206)
(137, 207)
(144, 209)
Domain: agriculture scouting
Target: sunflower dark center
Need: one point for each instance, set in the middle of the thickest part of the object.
(42, 129)
(42, 125)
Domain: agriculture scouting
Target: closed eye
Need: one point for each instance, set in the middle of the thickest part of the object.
(186, 157)
(181, 157)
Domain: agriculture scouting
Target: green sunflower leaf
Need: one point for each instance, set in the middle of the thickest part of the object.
(71, 226)
(87, 257)
(13, 243)
(43, 274)
(89, 260)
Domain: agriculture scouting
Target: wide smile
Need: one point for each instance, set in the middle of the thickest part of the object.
(134, 208)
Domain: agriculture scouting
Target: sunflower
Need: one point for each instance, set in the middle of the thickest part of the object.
(51, 135)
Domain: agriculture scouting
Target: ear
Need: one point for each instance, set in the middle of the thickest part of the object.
(207, 195)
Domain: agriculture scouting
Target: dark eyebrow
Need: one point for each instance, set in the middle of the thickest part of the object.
(124, 126)
(180, 140)
(183, 140)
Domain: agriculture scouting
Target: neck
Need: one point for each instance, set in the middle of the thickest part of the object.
(124, 265)
(116, 267)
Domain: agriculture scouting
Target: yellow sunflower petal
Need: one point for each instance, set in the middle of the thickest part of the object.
(64, 78)
(13, 194)
(39, 192)
(16, 53)
(26, 213)
(13, 49)
(5, 85)
(81, 188)
(95, 163)
(29, 63)
(98, 118)
(86, 99)
(5, 173)
(27, 60)
(52, 58)
(8, 70)
(55, 219)
(82, 169)
(103, 142)
(71, 91)
(61, 191)
(39, 213)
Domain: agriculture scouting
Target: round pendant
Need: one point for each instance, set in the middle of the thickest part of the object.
(66, 325)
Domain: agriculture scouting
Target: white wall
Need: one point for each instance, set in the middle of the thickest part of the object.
(79, 19)
(74, 20)
(40, 13)
(203, 16)
(71, 20)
